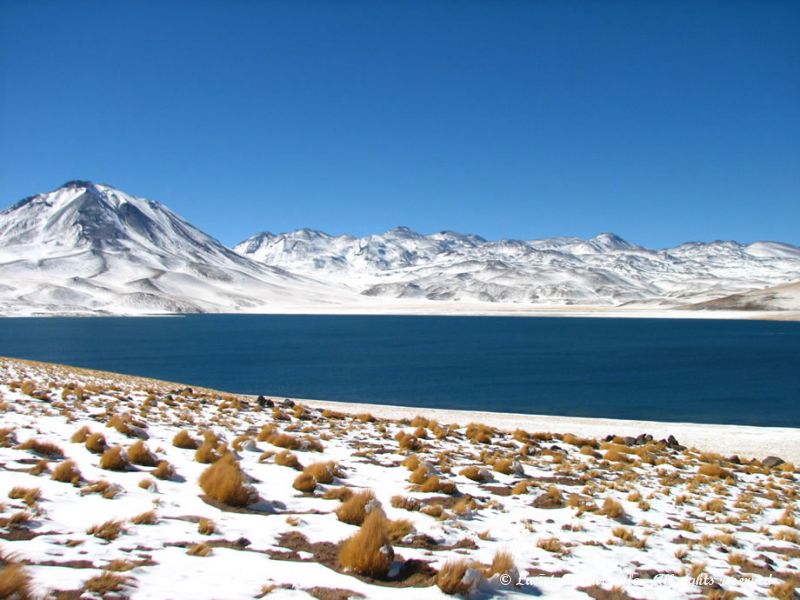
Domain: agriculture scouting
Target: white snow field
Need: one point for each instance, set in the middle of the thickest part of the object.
(464, 508)
(88, 248)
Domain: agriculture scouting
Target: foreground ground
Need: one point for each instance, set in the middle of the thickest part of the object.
(112, 486)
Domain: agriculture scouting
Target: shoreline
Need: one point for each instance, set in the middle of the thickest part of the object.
(464, 309)
(743, 440)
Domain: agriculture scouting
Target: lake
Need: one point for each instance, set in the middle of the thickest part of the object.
(704, 371)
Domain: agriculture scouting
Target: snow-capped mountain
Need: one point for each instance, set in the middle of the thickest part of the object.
(780, 297)
(605, 270)
(87, 248)
(92, 248)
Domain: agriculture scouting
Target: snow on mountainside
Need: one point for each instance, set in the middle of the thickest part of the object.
(91, 249)
(779, 297)
(605, 270)
(88, 248)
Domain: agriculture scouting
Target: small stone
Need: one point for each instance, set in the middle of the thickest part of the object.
(771, 462)
(287, 403)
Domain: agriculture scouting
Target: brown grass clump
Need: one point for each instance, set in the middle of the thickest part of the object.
(354, 510)
(322, 472)
(79, 437)
(114, 459)
(611, 509)
(41, 466)
(408, 441)
(110, 530)
(369, 552)
(398, 529)
(504, 466)
(7, 437)
(475, 474)
(67, 472)
(478, 433)
(199, 550)
(120, 424)
(341, 493)
(105, 488)
(502, 562)
(145, 518)
(206, 527)
(551, 544)
(287, 459)
(305, 483)
(406, 503)
(140, 454)
(451, 577)
(164, 470)
(785, 590)
(15, 583)
(183, 439)
(225, 482)
(433, 484)
(715, 505)
(106, 583)
(411, 462)
(46, 449)
(419, 475)
(29, 496)
(95, 443)
(209, 452)
(713, 470)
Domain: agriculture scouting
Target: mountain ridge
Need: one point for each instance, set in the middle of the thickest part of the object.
(90, 248)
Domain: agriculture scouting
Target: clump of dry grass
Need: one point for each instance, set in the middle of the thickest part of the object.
(105, 488)
(95, 443)
(114, 459)
(288, 459)
(397, 529)
(478, 433)
(79, 437)
(504, 465)
(611, 509)
(109, 530)
(713, 470)
(784, 590)
(206, 526)
(322, 472)
(15, 583)
(146, 518)
(225, 482)
(7, 437)
(406, 503)
(183, 439)
(340, 493)
(458, 577)
(502, 562)
(475, 474)
(715, 505)
(354, 510)
(106, 583)
(140, 454)
(67, 472)
(369, 552)
(46, 449)
(199, 550)
(164, 470)
(408, 441)
(434, 484)
(418, 475)
(29, 496)
(551, 544)
(305, 483)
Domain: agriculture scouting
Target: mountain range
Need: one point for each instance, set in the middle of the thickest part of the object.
(88, 248)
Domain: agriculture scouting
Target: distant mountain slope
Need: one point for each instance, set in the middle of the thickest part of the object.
(605, 270)
(92, 248)
(87, 248)
(779, 297)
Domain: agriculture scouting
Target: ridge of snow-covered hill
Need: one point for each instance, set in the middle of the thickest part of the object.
(87, 248)
(90, 248)
(605, 270)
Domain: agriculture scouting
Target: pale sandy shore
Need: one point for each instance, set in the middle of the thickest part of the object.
(499, 309)
(744, 441)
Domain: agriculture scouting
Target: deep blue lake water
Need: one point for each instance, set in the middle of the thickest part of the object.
(714, 371)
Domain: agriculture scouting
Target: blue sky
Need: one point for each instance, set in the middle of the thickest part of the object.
(661, 121)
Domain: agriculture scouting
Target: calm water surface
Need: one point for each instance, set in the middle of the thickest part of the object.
(745, 372)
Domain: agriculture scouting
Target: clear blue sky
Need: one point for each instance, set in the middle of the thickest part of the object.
(661, 121)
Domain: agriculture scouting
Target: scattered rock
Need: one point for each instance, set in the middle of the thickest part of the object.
(771, 462)
(287, 403)
(265, 402)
